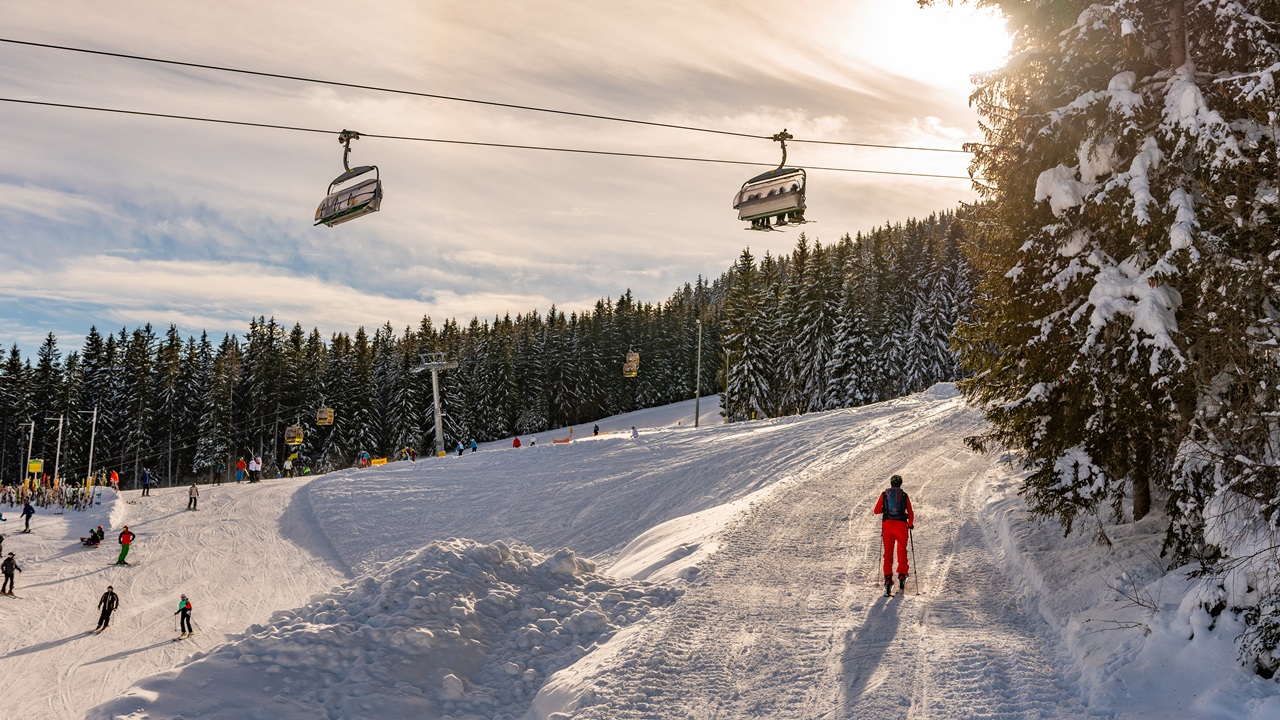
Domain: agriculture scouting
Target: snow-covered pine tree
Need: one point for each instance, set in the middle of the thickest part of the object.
(748, 356)
(16, 409)
(531, 373)
(1124, 345)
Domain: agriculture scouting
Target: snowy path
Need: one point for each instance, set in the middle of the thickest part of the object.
(788, 620)
(245, 560)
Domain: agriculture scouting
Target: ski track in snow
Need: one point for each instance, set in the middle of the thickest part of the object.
(238, 555)
(790, 620)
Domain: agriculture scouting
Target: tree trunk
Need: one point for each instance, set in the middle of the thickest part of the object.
(1177, 34)
(1141, 492)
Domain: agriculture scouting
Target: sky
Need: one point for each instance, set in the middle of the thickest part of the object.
(113, 220)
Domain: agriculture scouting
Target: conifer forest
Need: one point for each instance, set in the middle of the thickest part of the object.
(860, 320)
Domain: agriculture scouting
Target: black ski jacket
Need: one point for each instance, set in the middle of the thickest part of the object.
(109, 602)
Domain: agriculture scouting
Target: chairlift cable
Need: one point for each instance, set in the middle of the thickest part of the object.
(490, 103)
(580, 151)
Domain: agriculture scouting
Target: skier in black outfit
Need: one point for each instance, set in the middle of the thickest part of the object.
(27, 512)
(8, 567)
(109, 602)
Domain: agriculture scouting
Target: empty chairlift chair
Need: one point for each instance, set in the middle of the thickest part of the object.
(349, 202)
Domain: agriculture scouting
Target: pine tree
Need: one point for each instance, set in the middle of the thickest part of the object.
(1123, 343)
(747, 390)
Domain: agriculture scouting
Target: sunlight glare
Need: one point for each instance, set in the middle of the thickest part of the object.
(938, 45)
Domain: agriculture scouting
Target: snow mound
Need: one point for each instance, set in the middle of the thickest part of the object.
(457, 629)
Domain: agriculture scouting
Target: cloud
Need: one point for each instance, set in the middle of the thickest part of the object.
(211, 224)
(222, 297)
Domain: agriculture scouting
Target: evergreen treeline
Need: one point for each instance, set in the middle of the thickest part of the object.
(865, 319)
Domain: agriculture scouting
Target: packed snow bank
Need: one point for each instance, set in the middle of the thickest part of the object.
(1148, 640)
(458, 628)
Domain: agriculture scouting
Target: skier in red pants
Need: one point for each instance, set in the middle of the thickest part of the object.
(899, 518)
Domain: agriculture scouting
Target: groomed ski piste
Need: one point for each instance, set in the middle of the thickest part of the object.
(728, 571)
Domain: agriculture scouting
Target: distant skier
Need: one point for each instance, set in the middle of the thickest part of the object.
(193, 497)
(115, 480)
(899, 519)
(146, 482)
(27, 512)
(515, 443)
(459, 448)
(595, 430)
(126, 538)
(184, 608)
(288, 468)
(8, 567)
(474, 447)
(240, 469)
(255, 470)
(533, 440)
(635, 434)
(108, 604)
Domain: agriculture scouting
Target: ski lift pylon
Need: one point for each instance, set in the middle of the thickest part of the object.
(293, 435)
(324, 416)
(352, 201)
(631, 367)
(778, 194)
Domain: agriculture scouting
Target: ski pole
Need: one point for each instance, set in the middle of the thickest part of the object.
(911, 534)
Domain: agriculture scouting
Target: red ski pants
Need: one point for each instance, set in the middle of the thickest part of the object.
(894, 532)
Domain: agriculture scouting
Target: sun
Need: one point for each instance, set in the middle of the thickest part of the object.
(938, 45)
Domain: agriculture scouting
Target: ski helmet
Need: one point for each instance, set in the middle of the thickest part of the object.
(896, 481)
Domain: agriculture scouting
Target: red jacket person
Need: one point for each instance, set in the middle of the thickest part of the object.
(895, 506)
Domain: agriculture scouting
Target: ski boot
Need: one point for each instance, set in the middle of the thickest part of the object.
(888, 586)
(902, 582)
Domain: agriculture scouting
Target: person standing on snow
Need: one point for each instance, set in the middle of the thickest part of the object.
(108, 604)
(255, 470)
(126, 538)
(459, 448)
(184, 608)
(115, 480)
(8, 567)
(27, 512)
(288, 468)
(146, 482)
(899, 519)
(635, 434)
(515, 443)
(193, 497)
(474, 447)
(595, 430)
(240, 469)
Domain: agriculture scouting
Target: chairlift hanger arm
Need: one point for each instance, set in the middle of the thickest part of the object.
(782, 138)
(346, 136)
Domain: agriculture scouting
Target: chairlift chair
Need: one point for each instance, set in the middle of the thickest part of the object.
(776, 195)
(351, 201)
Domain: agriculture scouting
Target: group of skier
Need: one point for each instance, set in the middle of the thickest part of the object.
(110, 602)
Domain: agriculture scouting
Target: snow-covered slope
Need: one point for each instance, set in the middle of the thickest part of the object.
(733, 573)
